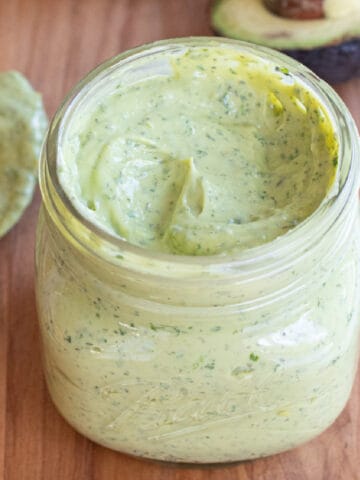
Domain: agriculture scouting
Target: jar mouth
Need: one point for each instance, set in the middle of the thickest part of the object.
(280, 250)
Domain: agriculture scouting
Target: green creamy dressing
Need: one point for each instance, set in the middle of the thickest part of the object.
(214, 152)
(220, 153)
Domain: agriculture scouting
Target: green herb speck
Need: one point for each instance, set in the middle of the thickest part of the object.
(253, 357)
(283, 70)
(210, 365)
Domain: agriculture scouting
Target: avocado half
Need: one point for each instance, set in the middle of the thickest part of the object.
(330, 46)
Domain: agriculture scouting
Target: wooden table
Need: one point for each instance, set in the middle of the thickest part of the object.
(55, 43)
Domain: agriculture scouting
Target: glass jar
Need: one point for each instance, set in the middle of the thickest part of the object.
(199, 359)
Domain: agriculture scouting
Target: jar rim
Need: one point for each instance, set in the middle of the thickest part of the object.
(280, 250)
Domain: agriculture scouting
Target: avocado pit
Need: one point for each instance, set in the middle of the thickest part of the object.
(297, 9)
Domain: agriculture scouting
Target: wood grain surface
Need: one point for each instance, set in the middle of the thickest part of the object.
(55, 43)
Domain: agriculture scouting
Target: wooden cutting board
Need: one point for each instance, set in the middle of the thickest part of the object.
(55, 43)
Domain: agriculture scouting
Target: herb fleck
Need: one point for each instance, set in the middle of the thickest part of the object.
(253, 357)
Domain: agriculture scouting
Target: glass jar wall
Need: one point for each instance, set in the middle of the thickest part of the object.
(199, 359)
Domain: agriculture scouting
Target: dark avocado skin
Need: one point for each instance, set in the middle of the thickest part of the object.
(335, 63)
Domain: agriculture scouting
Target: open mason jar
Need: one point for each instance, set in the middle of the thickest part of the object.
(198, 359)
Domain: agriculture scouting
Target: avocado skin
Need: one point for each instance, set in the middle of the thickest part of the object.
(335, 58)
(335, 63)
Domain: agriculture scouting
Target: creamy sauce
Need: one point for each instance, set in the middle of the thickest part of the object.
(199, 364)
(223, 153)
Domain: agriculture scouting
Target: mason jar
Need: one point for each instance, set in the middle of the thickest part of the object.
(198, 359)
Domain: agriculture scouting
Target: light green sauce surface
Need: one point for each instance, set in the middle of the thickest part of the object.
(221, 154)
